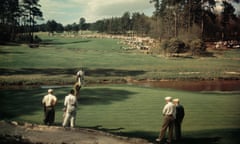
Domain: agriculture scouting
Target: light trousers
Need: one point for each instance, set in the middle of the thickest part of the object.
(70, 117)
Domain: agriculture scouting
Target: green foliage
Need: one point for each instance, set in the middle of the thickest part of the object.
(197, 47)
(173, 46)
(13, 12)
(176, 46)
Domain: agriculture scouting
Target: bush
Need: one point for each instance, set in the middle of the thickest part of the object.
(197, 47)
(176, 46)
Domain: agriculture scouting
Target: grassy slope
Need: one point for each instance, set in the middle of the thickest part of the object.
(66, 55)
(135, 111)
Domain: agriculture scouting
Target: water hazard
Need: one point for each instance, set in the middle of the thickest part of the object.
(214, 85)
(210, 85)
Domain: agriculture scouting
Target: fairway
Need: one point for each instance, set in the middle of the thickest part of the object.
(106, 59)
(115, 63)
(135, 111)
(127, 110)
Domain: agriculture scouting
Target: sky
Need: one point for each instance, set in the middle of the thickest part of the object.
(70, 11)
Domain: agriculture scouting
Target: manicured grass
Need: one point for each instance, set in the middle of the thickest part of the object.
(121, 109)
(135, 111)
(63, 56)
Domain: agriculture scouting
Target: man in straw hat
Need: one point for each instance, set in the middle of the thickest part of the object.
(179, 118)
(169, 112)
(49, 101)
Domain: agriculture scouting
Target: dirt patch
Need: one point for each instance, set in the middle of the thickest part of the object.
(27, 133)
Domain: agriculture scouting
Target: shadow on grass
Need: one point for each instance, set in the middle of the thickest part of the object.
(15, 103)
(102, 96)
(220, 136)
(9, 43)
(71, 71)
(3, 52)
(108, 130)
(53, 42)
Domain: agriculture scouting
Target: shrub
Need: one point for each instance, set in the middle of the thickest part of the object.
(197, 47)
(176, 46)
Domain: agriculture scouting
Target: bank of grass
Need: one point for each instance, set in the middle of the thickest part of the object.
(106, 59)
(135, 111)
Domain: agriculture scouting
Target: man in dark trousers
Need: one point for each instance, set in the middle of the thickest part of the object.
(49, 101)
(179, 118)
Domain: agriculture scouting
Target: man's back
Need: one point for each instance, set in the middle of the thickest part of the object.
(169, 109)
(49, 100)
(70, 102)
(179, 113)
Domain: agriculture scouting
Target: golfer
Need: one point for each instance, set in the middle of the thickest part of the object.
(169, 112)
(70, 104)
(79, 83)
(49, 101)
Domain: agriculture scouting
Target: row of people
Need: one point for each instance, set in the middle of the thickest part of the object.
(173, 114)
(70, 103)
(70, 108)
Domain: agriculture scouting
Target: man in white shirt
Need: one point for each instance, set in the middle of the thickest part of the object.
(70, 104)
(169, 112)
(49, 101)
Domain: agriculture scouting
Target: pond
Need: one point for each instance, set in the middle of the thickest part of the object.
(206, 85)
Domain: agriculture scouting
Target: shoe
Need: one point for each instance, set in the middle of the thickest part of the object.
(159, 141)
(168, 142)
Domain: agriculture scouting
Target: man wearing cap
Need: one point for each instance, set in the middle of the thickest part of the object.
(49, 101)
(70, 104)
(179, 117)
(169, 112)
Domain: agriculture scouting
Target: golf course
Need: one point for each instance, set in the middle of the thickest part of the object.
(117, 96)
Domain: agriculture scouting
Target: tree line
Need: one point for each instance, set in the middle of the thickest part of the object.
(18, 19)
(171, 18)
(178, 18)
(51, 26)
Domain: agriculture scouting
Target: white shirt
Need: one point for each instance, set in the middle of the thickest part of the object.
(49, 100)
(169, 109)
(70, 102)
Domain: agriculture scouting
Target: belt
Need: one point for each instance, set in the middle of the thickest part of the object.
(49, 106)
(169, 115)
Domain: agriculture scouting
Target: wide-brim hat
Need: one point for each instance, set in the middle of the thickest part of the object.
(168, 98)
(176, 100)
